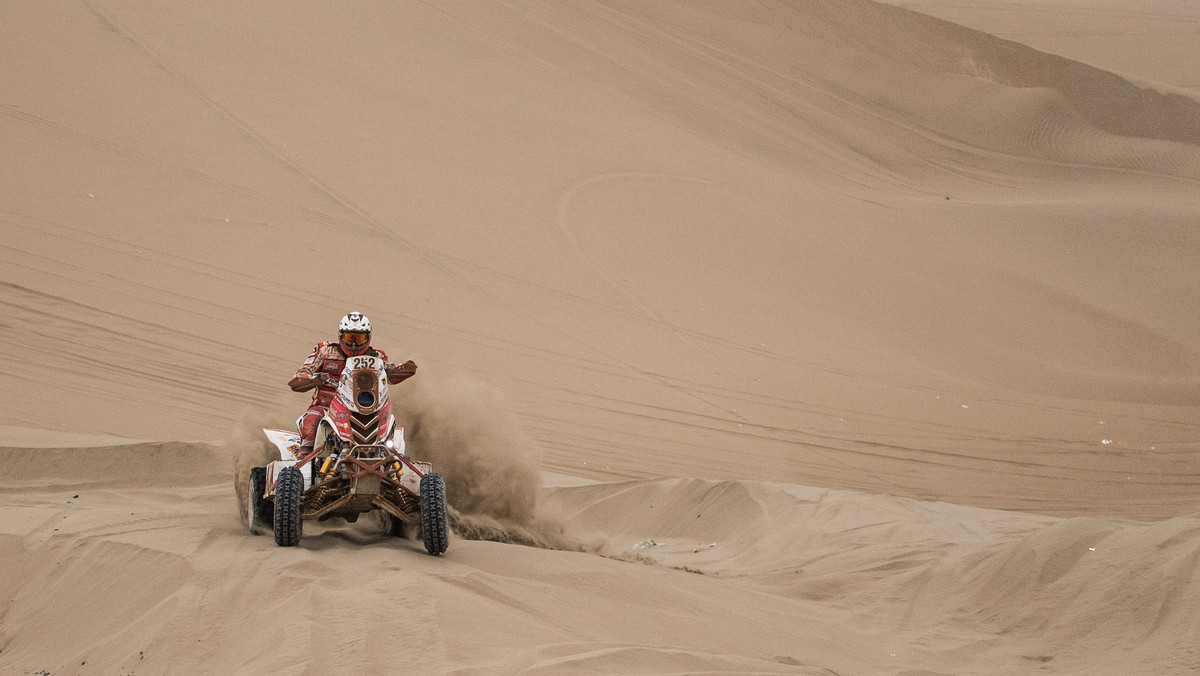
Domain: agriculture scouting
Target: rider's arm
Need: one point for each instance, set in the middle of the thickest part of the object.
(400, 372)
(306, 376)
(396, 372)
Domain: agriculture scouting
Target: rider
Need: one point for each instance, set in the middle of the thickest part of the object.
(324, 367)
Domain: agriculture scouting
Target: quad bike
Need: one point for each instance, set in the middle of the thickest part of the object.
(357, 465)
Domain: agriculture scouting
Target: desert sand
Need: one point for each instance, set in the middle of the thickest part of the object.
(778, 337)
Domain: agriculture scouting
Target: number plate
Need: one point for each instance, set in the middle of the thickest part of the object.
(363, 362)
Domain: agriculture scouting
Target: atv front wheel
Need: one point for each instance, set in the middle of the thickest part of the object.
(287, 507)
(261, 511)
(435, 529)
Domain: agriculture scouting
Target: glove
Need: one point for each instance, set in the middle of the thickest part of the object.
(325, 379)
(402, 372)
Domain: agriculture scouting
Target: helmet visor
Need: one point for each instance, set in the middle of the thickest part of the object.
(355, 338)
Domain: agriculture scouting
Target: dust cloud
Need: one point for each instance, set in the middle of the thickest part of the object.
(463, 427)
(491, 467)
(250, 447)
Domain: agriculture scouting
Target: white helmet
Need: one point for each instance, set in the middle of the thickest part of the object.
(355, 321)
(354, 333)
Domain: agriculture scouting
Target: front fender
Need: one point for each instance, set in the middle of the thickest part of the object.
(274, 468)
(288, 443)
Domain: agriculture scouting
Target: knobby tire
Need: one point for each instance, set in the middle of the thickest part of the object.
(260, 511)
(288, 524)
(435, 529)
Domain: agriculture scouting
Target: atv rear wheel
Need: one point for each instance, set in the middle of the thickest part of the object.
(261, 511)
(395, 527)
(288, 524)
(435, 530)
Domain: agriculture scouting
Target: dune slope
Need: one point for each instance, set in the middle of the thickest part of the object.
(845, 243)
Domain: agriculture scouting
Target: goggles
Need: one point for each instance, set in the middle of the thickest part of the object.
(356, 338)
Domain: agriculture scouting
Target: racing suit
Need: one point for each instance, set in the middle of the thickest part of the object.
(321, 371)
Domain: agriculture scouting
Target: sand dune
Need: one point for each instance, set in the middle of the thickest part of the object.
(115, 569)
(894, 309)
(1140, 45)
